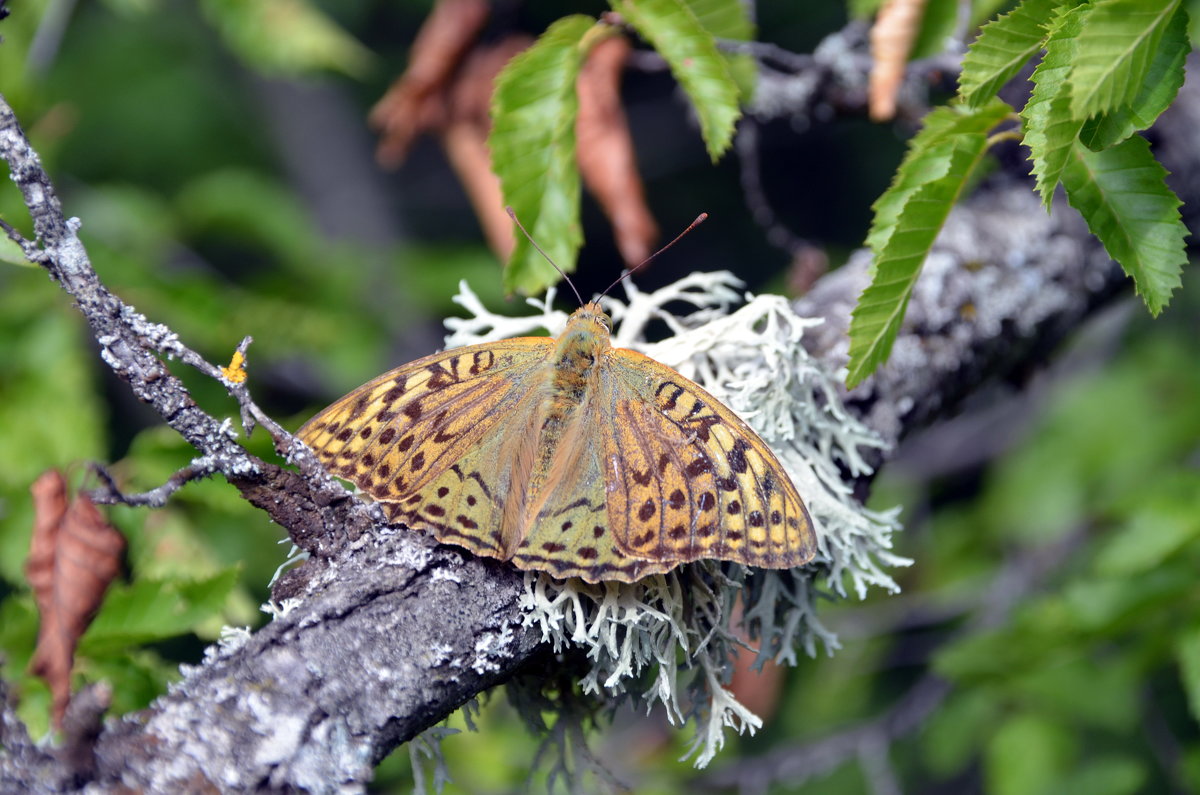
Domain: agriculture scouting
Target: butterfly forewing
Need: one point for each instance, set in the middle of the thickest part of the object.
(417, 439)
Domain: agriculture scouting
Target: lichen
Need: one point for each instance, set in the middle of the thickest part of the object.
(668, 639)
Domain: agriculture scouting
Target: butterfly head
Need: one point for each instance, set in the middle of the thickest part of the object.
(589, 320)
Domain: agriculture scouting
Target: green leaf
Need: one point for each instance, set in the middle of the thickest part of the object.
(952, 737)
(935, 28)
(151, 610)
(691, 52)
(1003, 46)
(1162, 522)
(534, 106)
(1157, 92)
(1050, 129)
(908, 218)
(1187, 652)
(1027, 754)
(1121, 194)
(1105, 774)
(730, 19)
(1116, 45)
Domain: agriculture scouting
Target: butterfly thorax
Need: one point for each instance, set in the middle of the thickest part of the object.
(549, 447)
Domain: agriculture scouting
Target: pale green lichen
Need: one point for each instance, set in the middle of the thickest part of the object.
(678, 625)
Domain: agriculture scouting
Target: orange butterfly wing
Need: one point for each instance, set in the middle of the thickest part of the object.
(421, 439)
(689, 479)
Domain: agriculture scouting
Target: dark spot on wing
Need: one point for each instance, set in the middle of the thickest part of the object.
(737, 456)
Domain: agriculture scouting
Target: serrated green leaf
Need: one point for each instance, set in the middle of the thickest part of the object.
(1163, 80)
(1121, 194)
(1187, 652)
(1003, 46)
(151, 610)
(1116, 45)
(908, 217)
(925, 161)
(691, 52)
(1049, 128)
(534, 106)
(730, 19)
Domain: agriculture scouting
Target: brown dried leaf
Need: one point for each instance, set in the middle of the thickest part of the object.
(416, 102)
(809, 263)
(758, 690)
(892, 39)
(605, 151)
(465, 137)
(73, 556)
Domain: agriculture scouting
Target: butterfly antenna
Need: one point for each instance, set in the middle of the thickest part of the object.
(701, 218)
(513, 215)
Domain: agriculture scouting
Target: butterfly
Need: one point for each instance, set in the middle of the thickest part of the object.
(567, 456)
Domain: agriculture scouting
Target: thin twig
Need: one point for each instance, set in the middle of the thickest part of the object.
(110, 494)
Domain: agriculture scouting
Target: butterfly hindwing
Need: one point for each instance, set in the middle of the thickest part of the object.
(690, 479)
(571, 532)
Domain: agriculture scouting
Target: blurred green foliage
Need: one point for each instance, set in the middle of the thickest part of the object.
(146, 116)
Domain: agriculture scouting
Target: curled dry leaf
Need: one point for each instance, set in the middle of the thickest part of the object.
(892, 39)
(447, 89)
(759, 690)
(605, 151)
(416, 101)
(808, 264)
(73, 556)
(465, 137)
